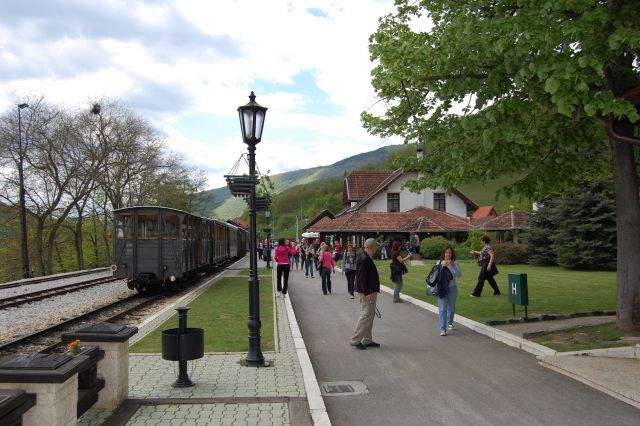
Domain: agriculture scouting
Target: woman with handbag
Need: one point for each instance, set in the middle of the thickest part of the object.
(488, 269)
(447, 297)
(398, 268)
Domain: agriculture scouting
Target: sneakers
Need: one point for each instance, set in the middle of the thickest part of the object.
(398, 301)
(359, 345)
(443, 333)
(372, 344)
(473, 295)
(450, 327)
(352, 297)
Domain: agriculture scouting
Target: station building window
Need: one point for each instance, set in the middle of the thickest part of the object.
(439, 201)
(393, 202)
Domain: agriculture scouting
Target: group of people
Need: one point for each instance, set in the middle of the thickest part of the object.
(362, 277)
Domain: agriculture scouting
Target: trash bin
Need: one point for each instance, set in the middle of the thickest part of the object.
(182, 344)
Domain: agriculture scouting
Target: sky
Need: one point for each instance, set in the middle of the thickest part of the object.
(186, 66)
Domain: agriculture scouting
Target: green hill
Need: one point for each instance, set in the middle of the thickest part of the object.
(218, 202)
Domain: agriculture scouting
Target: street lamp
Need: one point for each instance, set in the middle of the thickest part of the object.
(267, 257)
(251, 123)
(26, 271)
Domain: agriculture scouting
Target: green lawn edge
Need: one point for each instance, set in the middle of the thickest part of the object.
(552, 290)
(222, 311)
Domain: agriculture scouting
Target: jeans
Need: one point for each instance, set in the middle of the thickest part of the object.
(351, 279)
(447, 307)
(397, 287)
(325, 273)
(309, 267)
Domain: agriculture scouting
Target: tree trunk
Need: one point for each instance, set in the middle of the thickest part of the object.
(78, 242)
(628, 230)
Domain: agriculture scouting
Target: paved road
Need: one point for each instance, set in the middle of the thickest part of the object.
(419, 378)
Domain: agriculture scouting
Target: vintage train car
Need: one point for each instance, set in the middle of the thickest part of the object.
(160, 246)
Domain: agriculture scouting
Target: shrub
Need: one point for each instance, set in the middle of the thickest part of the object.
(509, 253)
(430, 248)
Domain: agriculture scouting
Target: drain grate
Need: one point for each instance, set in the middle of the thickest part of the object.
(338, 388)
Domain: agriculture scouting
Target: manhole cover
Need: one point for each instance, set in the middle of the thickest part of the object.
(343, 388)
(338, 388)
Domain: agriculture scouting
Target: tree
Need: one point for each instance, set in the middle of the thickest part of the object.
(526, 87)
(538, 238)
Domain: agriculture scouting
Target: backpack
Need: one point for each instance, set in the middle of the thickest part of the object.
(434, 275)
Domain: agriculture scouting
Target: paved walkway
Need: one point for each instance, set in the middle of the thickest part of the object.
(420, 378)
(416, 377)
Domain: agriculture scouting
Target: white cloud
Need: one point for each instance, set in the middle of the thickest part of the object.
(172, 59)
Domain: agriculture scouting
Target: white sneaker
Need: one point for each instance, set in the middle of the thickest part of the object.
(450, 327)
(443, 333)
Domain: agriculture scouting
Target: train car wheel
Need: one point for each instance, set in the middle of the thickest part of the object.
(140, 287)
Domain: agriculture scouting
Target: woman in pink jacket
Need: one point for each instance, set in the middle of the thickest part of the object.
(281, 256)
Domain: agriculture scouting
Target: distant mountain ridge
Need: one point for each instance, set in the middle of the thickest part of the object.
(226, 206)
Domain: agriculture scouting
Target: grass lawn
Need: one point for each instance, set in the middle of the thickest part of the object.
(583, 338)
(222, 312)
(552, 289)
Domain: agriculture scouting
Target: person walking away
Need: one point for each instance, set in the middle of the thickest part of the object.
(414, 243)
(349, 268)
(336, 250)
(327, 267)
(397, 268)
(488, 269)
(368, 286)
(281, 256)
(447, 298)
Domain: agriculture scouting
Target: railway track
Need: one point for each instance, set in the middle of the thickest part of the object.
(51, 292)
(51, 278)
(48, 339)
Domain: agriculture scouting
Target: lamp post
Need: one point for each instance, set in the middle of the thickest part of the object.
(26, 270)
(251, 123)
(267, 258)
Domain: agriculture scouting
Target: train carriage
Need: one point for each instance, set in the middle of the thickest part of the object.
(157, 246)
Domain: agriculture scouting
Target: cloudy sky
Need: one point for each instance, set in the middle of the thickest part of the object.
(186, 65)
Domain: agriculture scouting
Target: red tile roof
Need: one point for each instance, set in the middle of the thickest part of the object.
(360, 183)
(420, 219)
(239, 222)
(515, 219)
(484, 211)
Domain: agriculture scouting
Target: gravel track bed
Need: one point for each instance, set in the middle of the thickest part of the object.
(25, 319)
(57, 282)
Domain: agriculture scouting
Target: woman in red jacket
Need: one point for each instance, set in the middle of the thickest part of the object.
(281, 256)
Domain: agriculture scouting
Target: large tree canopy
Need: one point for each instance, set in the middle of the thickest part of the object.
(522, 87)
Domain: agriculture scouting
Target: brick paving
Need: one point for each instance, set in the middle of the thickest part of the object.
(225, 392)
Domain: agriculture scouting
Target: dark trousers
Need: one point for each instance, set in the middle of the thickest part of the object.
(485, 275)
(325, 273)
(283, 270)
(351, 279)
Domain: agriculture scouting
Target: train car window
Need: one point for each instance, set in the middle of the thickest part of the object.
(170, 226)
(124, 226)
(147, 225)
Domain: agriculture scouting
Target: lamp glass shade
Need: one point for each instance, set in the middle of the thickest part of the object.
(252, 117)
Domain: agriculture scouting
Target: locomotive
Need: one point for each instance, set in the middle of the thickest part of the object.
(159, 246)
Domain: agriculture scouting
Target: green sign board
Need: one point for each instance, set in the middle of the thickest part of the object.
(518, 290)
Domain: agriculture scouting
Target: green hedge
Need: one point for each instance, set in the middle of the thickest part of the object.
(510, 253)
(430, 248)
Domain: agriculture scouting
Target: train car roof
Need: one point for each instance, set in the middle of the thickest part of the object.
(122, 209)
